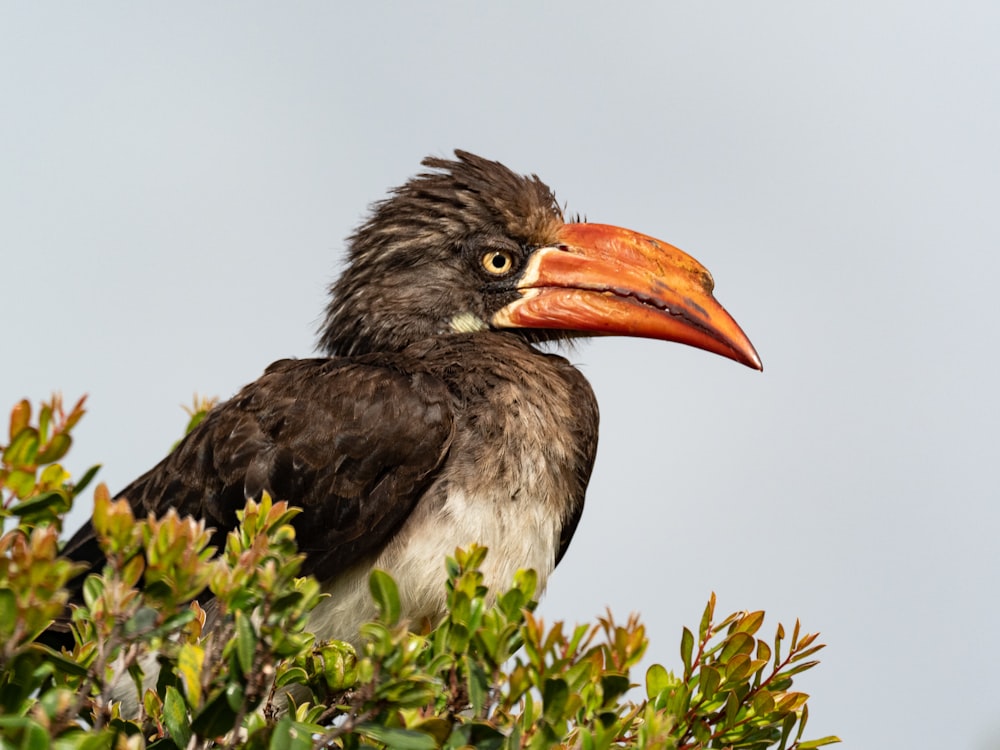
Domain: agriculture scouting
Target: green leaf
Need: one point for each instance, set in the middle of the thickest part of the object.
(54, 499)
(512, 602)
(287, 601)
(480, 735)
(791, 701)
(235, 695)
(386, 596)
(473, 557)
(246, 642)
(613, 686)
(750, 622)
(175, 717)
(555, 695)
(107, 738)
(526, 580)
(153, 704)
(823, 741)
(706, 618)
(687, 651)
(20, 416)
(763, 703)
(173, 623)
(737, 643)
(702, 732)
(398, 739)
(53, 475)
(291, 735)
(658, 679)
(675, 702)
(763, 651)
(8, 612)
(340, 665)
(64, 665)
(189, 665)
(787, 725)
(32, 735)
(22, 449)
(20, 482)
(709, 681)
(458, 638)
(479, 685)
(292, 675)
(800, 655)
(57, 448)
(732, 710)
(438, 728)
(799, 668)
(216, 718)
(738, 668)
(44, 421)
(88, 475)
(93, 587)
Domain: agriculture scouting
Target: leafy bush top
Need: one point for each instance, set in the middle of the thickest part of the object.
(244, 671)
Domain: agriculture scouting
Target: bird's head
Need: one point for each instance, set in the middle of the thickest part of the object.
(471, 245)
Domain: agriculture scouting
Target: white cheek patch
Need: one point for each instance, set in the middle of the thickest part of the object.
(467, 323)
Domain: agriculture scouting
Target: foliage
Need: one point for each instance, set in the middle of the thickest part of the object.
(151, 667)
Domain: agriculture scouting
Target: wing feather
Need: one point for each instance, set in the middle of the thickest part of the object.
(353, 442)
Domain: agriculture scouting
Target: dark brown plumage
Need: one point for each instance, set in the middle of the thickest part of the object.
(434, 422)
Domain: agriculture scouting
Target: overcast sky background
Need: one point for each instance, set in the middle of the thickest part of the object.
(177, 180)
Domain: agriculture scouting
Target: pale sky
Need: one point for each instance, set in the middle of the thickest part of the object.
(178, 179)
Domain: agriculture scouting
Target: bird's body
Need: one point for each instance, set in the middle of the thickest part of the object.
(435, 422)
(523, 504)
(413, 472)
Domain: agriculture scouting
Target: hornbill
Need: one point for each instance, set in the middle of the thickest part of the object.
(434, 421)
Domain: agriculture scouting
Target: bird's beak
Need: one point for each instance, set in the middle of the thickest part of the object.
(600, 279)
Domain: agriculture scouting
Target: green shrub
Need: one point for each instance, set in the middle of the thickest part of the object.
(490, 675)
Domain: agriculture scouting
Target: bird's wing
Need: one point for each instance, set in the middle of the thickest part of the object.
(353, 442)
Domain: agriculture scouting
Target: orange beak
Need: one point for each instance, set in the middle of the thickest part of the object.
(600, 279)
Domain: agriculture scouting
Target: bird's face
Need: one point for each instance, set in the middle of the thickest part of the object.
(476, 247)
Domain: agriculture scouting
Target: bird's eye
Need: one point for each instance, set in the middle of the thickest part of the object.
(498, 262)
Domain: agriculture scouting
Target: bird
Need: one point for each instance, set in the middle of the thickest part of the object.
(438, 414)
